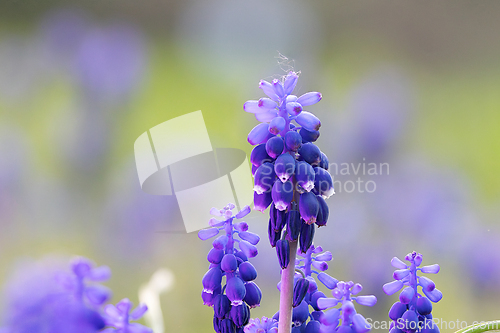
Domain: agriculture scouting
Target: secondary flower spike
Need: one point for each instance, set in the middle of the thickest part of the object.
(412, 313)
(229, 258)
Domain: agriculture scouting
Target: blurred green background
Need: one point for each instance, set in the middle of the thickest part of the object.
(412, 84)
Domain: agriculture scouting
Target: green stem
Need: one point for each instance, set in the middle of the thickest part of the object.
(481, 327)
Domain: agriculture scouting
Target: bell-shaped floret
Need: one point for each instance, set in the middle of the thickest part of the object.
(249, 237)
(222, 305)
(320, 265)
(359, 324)
(304, 174)
(400, 274)
(259, 155)
(324, 163)
(259, 134)
(308, 207)
(323, 182)
(220, 242)
(275, 146)
(227, 326)
(293, 224)
(293, 141)
(300, 291)
(398, 263)
(435, 295)
(264, 178)
(253, 295)
(273, 235)
(308, 136)
(313, 300)
(277, 125)
(313, 326)
(283, 252)
(282, 194)
(284, 167)
(205, 234)
(432, 269)
(426, 283)
(262, 201)
(247, 271)
(229, 263)
(293, 108)
(268, 89)
(397, 310)
(309, 98)
(327, 280)
(240, 314)
(247, 248)
(310, 153)
(300, 313)
(407, 295)
(368, 300)
(290, 82)
(306, 236)
(330, 317)
(308, 121)
(424, 306)
(235, 290)
(212, 280)
(215, 255)
(323, 212)
(392, 287)
(408, 322)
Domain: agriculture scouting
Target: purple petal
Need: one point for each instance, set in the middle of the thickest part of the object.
(97, 294)
(282, 194)
(309, 98)
(258, 134)
(215, 212)
(356, 289)
(268, 89)
(112, 311)
(331, 316)
(267, 104)
(266, 117)
(277, 125)
(124, 305)
(293, 108)
(247, 248)
(213, 222)
(278, 88)
(327, 280)
(308, 121)
(435, 295)
(290, 82)
(426, 283)
(250, 237)
(242, 226)
(320, 265)
(360, 324)
(325, 303)
(262, 201)
(139, 311)
(220, 242)
(326, 256)
(392, 287)
(99, 274)
(407, 295)
(244, 212)
(81, 266)
(431, 269)
(400, 274)
(396, 262)
(255, 107)
(205, 234)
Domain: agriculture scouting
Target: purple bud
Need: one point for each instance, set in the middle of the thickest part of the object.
(282, 194)
(268, 89)
(360, 324)
(325, 303)
(435, 295)
(348, 307)
(212, 279)
(408, 322)
(310, 153)
(275, 146)
(308, 207)
(293, 108)
(241, 226)
(293, 224)
(308, 136)
(309, 98)
(277, 125)
(283, 252)
(284, 166)
(222, 305)
(256, 107)
(215, 256)
(278, 88)
(418, 259)
(220, 242)
(249, 249)
(227, 326)
(241, 255)
(253, 295)
(244, 212)
(323, 212)
(407, 295)
(306, 236)
(396, 262)
(280, 220)
(235, 290)
(330, 317)
(81, 266)
(426, 283)
(327, 280)
(259, 134)
(264, 178)
(97, 294)
(273, 235)
(267, 104)
(320, 265)
(314, 299)
(313, 326)
(240, 314)
(247, 271)
(205, 234)
(424, 306)
(293, 141)
(431, 269)
(208, 298)
(304, 174)
(262, 201)
(313, 286)
(392, 287)
(400, 274)
(308, 121)
(356, 289)
(290, 82)
(266, 117)
(324, 163)
(368, 300)
(249, 237)
(229, 263)
(300, 313)
(397, 310)
(299, 291)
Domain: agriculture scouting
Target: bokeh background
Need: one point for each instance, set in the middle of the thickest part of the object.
(411, 84)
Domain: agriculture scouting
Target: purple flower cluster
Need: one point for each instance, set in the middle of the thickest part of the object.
(232, 302)
(289, 169)
(413, 311)
(49, 299)
(308, 297)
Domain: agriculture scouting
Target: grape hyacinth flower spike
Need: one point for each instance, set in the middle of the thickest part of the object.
(290, 174)
(412, 313)
(231, 303)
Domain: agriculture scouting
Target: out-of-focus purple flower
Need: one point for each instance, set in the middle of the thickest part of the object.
(119, 317)
(42, 297)
(264, 325)
(413, 309)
